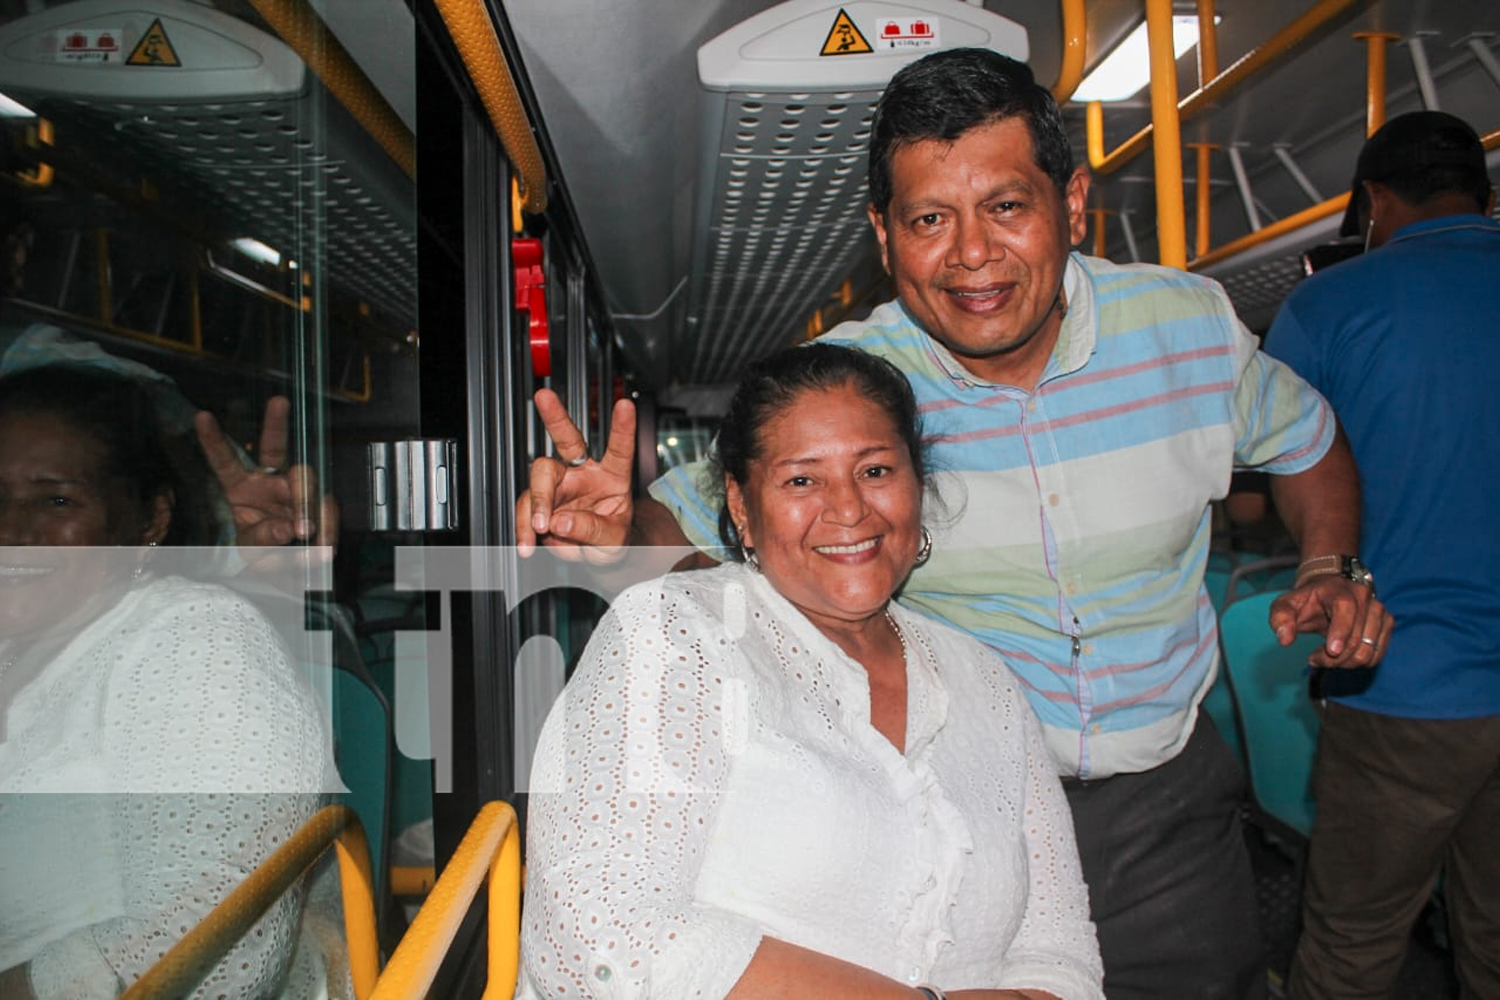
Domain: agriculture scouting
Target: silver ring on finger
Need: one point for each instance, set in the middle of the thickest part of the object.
(574, 463)
(270, 470)
(1369, 642)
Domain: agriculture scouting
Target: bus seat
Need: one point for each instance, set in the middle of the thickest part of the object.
(1278, 720)
(1258, 575)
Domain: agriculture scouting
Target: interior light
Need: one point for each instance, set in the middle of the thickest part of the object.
(672, 441)
(1127, 69)
(12, 108)
(256, 250)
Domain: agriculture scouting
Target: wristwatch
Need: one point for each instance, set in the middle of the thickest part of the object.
(1348, 567)
(1352, 569)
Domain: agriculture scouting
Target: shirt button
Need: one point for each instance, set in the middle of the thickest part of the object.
(601, 973)
(1031, 406)
(1053, 499)
(1089, 648)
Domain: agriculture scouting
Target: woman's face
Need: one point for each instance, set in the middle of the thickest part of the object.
(832, 507)
(61, 514)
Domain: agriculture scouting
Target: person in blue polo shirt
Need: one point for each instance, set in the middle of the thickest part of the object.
(1404, 343)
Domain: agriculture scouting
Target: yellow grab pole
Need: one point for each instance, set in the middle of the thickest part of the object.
(1201, 219)
(1220, 86)
(1074, 31)
(1171, 226)
(304, 31)
(491, 848)
(473, 31)
(1098, 215)
(1375, 43)
(1208, 43)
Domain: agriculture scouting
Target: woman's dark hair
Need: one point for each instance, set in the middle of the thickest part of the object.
(122, 415)
(772, 384)
(944, 95)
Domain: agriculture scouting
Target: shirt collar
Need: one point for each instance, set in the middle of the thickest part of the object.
(1075, 341)
(1444, 224)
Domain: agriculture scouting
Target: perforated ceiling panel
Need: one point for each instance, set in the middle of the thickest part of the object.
(781, 202)
(237, 139)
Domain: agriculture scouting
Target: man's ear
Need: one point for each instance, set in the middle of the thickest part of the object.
(877, 222)
(734, 500)
(1076, 197)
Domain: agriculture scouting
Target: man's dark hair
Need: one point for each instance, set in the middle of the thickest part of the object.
(772, 384)
(948, 93)
(1419, 156)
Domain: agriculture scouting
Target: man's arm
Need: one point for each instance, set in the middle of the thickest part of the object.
(1320, 507)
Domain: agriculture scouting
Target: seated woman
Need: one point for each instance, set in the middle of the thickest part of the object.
(768, 779)
(157, 742)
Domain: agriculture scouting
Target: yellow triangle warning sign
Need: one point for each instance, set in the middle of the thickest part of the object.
(844, 38)
(154, 48)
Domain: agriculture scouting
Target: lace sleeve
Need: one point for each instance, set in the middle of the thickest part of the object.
(624, 792)
(1055, 948)
(218, 752)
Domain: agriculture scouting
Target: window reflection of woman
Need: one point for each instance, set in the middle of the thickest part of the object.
(769, 780)
(157, 741)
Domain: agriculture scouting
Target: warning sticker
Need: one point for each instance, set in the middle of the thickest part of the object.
(906, 33)
(154, 48)
(844, 38)
(88, 45)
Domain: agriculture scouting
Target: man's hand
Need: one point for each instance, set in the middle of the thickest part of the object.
(1356, 626)
(583, 511)
(272, 505)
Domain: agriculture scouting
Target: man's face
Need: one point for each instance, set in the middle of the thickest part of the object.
(976, 237)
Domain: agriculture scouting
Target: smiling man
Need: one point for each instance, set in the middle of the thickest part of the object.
(1083, 416)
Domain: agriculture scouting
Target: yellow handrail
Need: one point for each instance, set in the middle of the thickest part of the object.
(304, 31)
(1075, 34)
(478, 46)
(1214, 90)
(1375, 43)
(178, 971)
(1333, 206)
(491, 847)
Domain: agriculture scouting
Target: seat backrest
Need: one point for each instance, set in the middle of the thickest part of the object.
(1269, 573)
(1277, 718)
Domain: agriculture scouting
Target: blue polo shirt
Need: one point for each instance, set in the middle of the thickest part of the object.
(1405, 344)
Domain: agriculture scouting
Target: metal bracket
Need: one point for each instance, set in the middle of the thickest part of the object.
(414, 485)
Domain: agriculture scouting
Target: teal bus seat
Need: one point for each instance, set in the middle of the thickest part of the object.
(1278, 721)
(1272, 573)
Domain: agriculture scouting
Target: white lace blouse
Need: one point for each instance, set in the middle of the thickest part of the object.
(711, 776)
(164, 752)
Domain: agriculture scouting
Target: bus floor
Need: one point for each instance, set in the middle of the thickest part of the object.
(1428, 972)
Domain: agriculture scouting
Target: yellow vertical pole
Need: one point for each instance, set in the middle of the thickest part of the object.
(1208, 43)
(1201, 218)
(1375, 43)
(1074, 29)
(1171, 225)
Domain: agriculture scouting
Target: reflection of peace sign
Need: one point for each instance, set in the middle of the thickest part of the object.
(272, 505)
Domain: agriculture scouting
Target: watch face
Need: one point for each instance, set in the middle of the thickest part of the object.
(1358, 571)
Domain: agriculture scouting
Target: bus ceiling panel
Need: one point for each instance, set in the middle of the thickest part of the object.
(641, 145)
(234, 136)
